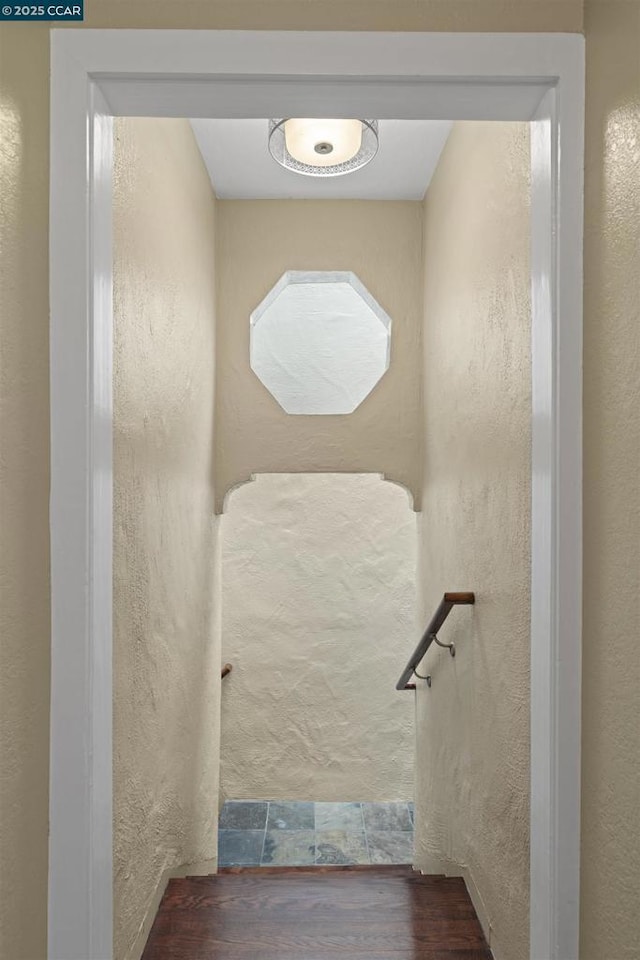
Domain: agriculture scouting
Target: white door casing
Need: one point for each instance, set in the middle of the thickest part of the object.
(98, 74)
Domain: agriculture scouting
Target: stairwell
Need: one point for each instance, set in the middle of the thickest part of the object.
(317, 913)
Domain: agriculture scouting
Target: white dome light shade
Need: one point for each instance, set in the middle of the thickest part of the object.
(323, 143)
(323, 147)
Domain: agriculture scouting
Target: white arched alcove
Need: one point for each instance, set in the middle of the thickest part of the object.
(329, 561)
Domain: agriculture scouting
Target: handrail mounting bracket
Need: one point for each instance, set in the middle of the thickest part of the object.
(451, 647)
(430, 636)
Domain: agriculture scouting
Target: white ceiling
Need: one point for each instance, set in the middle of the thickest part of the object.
(241, 167)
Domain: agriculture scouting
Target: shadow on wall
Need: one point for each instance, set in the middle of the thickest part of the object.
(318, 616)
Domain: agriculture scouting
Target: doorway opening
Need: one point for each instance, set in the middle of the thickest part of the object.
(388, 331)
(414, 359)
(127, 73)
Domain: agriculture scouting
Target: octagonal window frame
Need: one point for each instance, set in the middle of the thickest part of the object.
(290, 277)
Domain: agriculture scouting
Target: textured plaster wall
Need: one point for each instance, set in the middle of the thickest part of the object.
(24, 496)
(610, 867)
(611, 661)
(472, 776)
(258, 241)
(166, 636)
(318, 616)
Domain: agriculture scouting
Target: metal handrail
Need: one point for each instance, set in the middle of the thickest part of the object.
(430, 636)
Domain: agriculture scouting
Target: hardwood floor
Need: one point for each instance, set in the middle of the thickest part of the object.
(316, 913)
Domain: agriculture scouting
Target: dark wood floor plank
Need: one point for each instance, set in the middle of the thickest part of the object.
(380, 913)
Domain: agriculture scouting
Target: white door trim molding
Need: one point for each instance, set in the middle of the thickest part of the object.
(97, 74)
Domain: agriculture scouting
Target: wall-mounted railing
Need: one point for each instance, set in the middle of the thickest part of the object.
(430, 636)
(226, 670)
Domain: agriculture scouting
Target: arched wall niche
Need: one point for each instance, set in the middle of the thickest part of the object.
(224, 501)
(329, 561)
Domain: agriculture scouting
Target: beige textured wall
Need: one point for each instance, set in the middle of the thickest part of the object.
(610, 870)
(472, 775)
(258, 240)
(166, 641)
(611, 661)
(327, 563)
(24, 496)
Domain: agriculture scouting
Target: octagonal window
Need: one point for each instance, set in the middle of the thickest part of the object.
(319, 342)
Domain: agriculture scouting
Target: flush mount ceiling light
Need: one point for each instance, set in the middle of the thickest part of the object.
(323, 148)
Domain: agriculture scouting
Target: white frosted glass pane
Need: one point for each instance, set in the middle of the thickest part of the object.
(319, 342)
